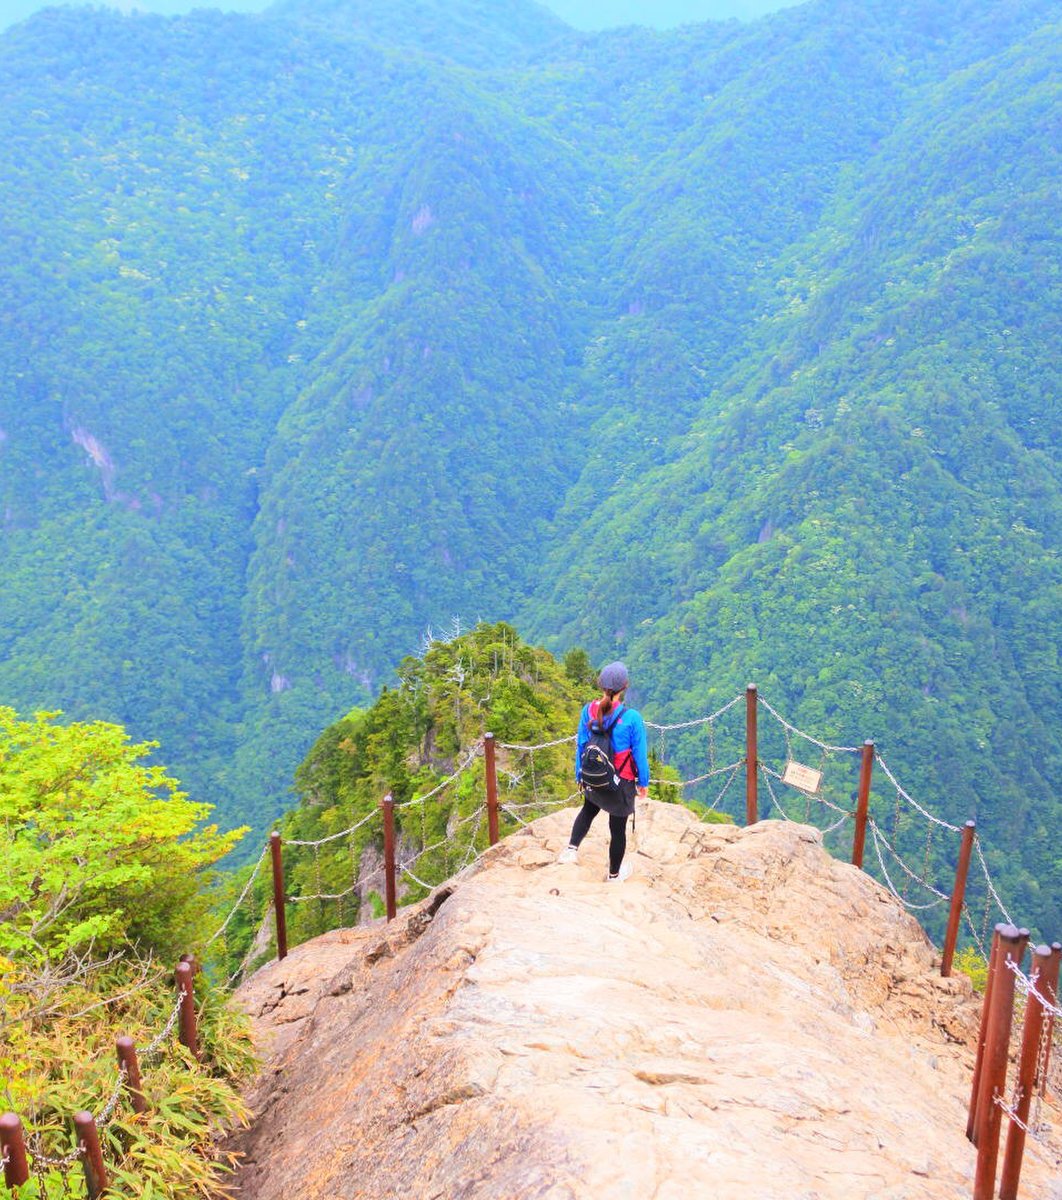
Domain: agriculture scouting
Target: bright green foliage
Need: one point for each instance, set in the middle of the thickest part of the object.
(100, 848)
(414, 737)
(107, 866)
(969, 962)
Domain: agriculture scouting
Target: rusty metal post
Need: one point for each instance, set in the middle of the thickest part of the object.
(752, 761)
(958, 895)
(1036, 1017)
(13, 1151)
(388, 806)
(994, 1072)
(986, 1009)
(278, 896)
(91, 1156)
(866, 769)
(491, 769)
(188, 1033)
(1012, 946)
(128, 1062)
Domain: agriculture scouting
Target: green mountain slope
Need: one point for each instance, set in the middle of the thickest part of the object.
(869, 521)
(732, 350)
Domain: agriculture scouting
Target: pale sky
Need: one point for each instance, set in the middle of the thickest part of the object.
(583, 14)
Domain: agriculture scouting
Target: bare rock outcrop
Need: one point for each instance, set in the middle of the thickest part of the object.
(745, 1017)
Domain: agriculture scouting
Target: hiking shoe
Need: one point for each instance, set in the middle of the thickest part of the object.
(624, 873)
(568, 855)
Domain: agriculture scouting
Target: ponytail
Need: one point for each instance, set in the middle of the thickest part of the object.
(607, 702)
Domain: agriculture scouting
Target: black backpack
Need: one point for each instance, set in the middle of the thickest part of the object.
(597, 770)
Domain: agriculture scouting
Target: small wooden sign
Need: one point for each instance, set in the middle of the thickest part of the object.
(804, 779)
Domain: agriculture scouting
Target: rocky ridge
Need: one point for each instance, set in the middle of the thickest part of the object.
(745, 1017)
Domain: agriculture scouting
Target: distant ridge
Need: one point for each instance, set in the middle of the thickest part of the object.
(474, 33)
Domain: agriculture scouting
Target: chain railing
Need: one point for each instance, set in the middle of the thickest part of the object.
(25, 1154)
(1008, 991)
(512, 767)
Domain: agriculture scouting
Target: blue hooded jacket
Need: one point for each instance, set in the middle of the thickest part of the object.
(628, 741)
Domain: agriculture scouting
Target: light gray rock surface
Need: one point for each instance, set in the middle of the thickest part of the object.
(745, 1017)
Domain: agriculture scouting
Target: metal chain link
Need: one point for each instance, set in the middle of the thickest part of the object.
(470, 854)
(40, 1159)
(1031, 1130)
(879, 837)
(244, 963)
(699, 720)
(684, 783)
(108, 1110)
(897, 816)
(988, 880)
(534, 778)
(910, 799)
(332, 837)
(985, 918)
(927, 859)
(1028, 988)
(428, 887)
(323, 896)
(726, 786)
(515, 808)
(541, 746)
(149, 1052)
(470, 758)
(979, 939)
(801, 734)
(770, 792)
(243, 896)
(515, 815)
(1043, 1055)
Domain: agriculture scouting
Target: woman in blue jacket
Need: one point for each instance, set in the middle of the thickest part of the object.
(631, 760)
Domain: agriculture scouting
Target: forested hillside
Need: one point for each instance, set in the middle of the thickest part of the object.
(732, 350)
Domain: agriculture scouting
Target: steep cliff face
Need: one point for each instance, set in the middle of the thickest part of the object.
(744, 1017)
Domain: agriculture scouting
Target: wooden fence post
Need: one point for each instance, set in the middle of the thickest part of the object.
(278, 896)
(388, 806)
(188, 1033)
(13, 1151)
(91, 1155)
(127, 1062)
(491, 770)
(752, 761)
(1036, 1021)
(994, 1070)
(866, 769)
(958, 895)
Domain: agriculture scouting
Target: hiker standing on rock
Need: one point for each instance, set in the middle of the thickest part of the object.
(611, 766)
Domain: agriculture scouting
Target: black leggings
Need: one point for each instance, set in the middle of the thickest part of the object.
(617, 827)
